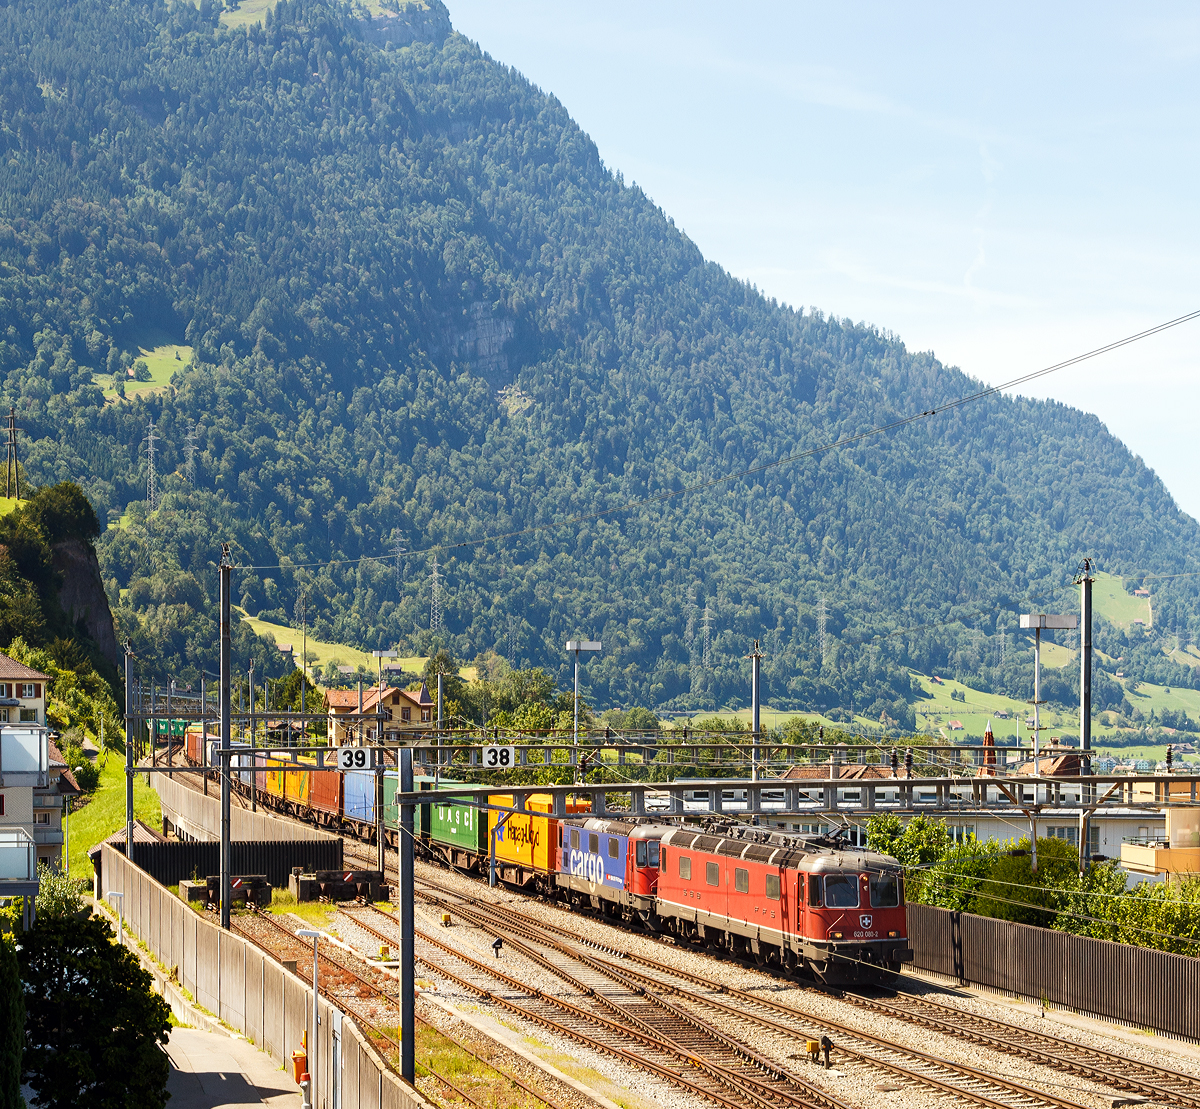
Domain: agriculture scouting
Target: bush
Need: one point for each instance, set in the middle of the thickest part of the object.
(93, 1024)
(58, 896)
(12, 1026)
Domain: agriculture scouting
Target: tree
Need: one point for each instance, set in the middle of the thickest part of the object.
(1012, 891)
(12, 1026)
(58, 896)
(93, 1025)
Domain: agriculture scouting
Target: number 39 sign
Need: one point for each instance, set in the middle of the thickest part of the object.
(499, 758)
(355, 758)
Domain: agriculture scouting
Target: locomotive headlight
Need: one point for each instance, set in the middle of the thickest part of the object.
(837, 935)
(893, 935)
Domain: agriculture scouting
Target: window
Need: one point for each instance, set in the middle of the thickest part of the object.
(575, 838)
(1, 804)
(41, 818)
(685, 867)
(741, 880)
(814, 890)
(773, 887)
(425, 715)
(29, 690)
(885, 891)
(594, 844)
(960, 833)
(29, 716)
(387, 714)
(712, 874)
(654, 849)
(3, 716)
(405, 715)
(613, 847)
(5, 689)
(841, 891)
(641, 853)
(1068, 832)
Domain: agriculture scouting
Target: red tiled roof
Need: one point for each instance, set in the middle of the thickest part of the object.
(13, 671)
(56, 759)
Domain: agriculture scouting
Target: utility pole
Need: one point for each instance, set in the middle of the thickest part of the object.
(253, 756)
(707, 637)
(755, 657)
(435, 600)
(190, 447)
(438, 765)
(151, 477)
(1084, 580)
(303, 660)
(822, 625)
(128, 750)
(408, 1030)
(226, 642)
(13, 477)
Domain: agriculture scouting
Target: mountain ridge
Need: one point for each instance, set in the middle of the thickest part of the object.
(365, 246)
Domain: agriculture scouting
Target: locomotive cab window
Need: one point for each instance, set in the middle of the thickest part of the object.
(773, 887)
(654, 849)
(814, 891)
(841, 891)
(613, 848)
(885, 891)
(594, 844)
(712, 874)
(641, 852)
(685, 867)
(741, 880)
(575, 838)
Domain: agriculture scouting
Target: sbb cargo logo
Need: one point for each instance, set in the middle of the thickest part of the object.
(583, 864)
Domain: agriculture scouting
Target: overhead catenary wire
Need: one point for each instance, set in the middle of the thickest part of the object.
(750, 471)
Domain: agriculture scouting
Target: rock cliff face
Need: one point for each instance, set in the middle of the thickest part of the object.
(82, 594)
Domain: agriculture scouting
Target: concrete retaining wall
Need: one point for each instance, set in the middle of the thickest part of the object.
(252, 993)
(199, 817)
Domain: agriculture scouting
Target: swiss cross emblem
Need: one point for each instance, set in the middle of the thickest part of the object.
(865, 920)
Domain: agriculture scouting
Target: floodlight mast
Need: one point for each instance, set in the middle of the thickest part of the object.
(576, 647)
(1038, 621)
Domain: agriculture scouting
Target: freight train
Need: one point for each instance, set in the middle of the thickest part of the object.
(800, 904)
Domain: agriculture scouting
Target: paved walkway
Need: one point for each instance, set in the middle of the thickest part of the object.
(209, 1071)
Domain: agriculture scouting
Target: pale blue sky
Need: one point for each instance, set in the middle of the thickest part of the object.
(1006, 188)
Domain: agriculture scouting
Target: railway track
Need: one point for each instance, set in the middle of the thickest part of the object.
(758, 1018)
(283, 935)
(687, 1053)
(1105, 1068)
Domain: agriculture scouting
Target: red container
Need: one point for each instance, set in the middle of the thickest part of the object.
(325, 793)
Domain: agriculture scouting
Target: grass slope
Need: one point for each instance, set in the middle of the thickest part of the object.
(323, 653)
(163, 360)
(105, 812)
(1110, 600)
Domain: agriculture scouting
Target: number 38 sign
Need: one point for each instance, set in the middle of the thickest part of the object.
(355, 758)
(499, 758)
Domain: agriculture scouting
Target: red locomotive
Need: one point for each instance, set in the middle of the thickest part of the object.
(810, 904)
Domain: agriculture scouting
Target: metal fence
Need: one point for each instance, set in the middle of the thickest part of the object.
(252, 993)
(1132, 985)
(175, 860)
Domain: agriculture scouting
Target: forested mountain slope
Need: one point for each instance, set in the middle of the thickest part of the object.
(422, 311)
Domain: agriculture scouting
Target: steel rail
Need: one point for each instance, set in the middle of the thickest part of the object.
(761, 1093)
(631, 979)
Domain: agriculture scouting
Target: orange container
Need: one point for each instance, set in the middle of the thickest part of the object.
(299, 1065)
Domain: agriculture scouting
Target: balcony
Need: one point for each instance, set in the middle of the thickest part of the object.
(24, 757)
(46, 837)
(18, 863)
(1148, 855)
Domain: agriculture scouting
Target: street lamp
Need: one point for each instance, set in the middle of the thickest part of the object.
(1038, 621)
(309, 933)
(577, 647)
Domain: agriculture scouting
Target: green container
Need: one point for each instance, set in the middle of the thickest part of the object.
(458, 825)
